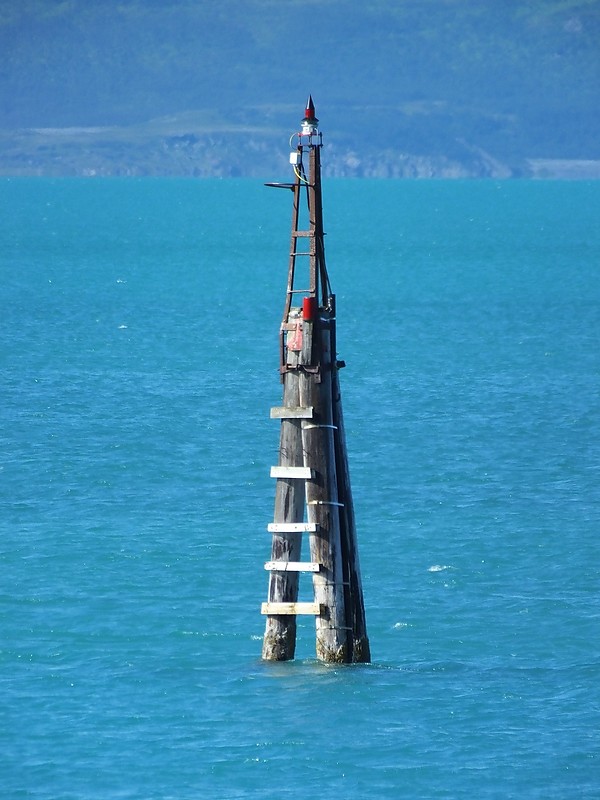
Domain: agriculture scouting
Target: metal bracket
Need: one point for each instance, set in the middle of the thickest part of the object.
(316, 371)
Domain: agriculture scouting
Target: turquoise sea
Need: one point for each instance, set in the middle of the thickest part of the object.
(139, 331)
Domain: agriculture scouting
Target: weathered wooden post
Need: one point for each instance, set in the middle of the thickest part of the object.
(313, 493)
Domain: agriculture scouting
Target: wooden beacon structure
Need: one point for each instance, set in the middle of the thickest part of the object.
(312, 497)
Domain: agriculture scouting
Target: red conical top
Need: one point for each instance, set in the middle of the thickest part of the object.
(309, 112)
(310, 124)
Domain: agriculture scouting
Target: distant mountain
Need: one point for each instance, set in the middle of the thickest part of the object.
(403, 87)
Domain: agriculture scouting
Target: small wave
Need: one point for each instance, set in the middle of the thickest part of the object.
(439, 567)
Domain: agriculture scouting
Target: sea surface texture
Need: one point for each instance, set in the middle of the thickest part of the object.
(139, 360)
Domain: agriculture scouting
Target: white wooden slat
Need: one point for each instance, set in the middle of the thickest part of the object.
(293, 527)
(292, 566)
(290, 609)
(303, 473)
(281, 412)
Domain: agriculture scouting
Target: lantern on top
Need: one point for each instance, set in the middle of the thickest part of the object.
(310, 124)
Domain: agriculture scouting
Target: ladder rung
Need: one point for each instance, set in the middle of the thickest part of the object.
(303, 233)
(292, 566)
(292, 412)
(300, 254)
(302, 473)
(293, 527)
(290, 609)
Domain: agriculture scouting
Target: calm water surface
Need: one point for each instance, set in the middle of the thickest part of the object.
(138, 364)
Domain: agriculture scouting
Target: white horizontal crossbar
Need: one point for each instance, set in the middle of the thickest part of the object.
(302, 473)
(290, 609)
(293, 527)
(292, 566)
(292, 412)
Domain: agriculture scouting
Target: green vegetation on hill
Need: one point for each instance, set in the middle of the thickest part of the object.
(447, 80)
